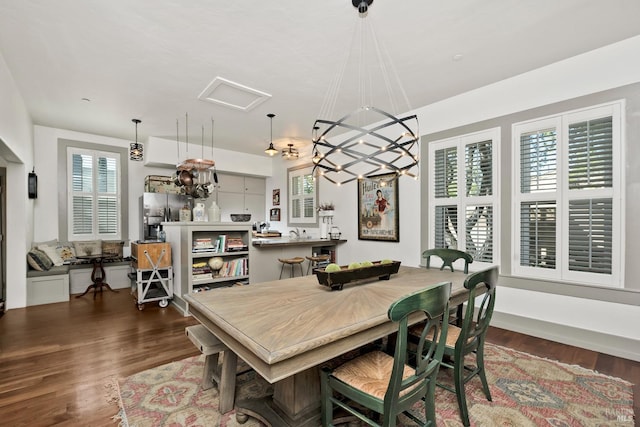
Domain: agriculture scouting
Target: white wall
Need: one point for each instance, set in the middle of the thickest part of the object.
(16, 150)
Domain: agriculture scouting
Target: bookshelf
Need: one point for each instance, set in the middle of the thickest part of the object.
(208, 256)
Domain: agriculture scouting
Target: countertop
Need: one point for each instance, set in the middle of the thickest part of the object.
(287, 241)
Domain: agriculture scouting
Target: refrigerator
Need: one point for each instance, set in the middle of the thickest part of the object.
(156, 208)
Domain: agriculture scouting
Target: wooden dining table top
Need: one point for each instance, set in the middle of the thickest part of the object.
(283, 327)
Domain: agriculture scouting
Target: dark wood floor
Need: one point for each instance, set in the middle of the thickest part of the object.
(55, 359)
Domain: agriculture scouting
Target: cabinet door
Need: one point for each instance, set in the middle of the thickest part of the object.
(255, 205)
(230, 203)
(231, 184)
(254, 185)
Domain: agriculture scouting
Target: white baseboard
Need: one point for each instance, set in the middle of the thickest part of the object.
(596, 341)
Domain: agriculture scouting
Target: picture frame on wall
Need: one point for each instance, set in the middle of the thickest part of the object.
(274, 215)
(276, 197)
(378, 210)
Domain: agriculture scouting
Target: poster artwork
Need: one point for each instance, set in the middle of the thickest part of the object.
(378, 208)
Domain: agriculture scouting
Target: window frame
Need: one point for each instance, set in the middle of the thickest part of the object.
(95, 154)
(563, 196)
(461, 200)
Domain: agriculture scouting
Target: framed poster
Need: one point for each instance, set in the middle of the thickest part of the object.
(274, 215)
(276, 197)
(378, 213)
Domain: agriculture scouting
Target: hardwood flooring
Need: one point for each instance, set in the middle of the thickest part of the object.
(55, 359)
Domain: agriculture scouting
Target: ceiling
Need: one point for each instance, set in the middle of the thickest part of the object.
(93, 65)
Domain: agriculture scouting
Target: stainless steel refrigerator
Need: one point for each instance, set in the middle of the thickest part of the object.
(156, 208)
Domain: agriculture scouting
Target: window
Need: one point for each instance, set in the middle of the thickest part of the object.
(463, 201)
(567, 222)
(94, 200)
(303, 197)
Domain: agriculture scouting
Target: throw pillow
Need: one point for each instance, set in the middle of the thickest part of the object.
(112, 247)
(38, 260)
(67, 252)
(52, 253)
(89, 247)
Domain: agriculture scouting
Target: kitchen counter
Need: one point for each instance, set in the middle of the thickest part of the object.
(267, 250)
(260, 242)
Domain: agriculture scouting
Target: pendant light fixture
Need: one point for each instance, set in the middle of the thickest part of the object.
(367, 141)
(135, 148)
(271, 149)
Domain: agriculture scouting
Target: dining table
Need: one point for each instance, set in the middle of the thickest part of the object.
(285, 329)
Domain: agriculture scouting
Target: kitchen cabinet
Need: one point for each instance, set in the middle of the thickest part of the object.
(194, 245)
(241, 194)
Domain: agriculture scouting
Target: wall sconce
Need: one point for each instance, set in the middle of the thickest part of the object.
(135, 148)
(32, 184)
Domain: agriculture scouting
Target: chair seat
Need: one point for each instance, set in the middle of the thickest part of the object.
(452, 334)
(295, 260)
(318, 258)
(370, 373)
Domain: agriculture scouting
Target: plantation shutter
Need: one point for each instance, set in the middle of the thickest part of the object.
(479, 232)
(107, 183)
(446, 227)
(538, 234)
(538, 151)
(446, 172)
(309, 193)
(296, 192)
(591, 154)
(82, 190)
(478, 160)
(590, 235)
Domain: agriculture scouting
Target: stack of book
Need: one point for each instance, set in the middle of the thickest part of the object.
(203, 244)
(200, 270)
(235, 244)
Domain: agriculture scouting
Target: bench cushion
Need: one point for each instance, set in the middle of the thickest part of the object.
(53, 271)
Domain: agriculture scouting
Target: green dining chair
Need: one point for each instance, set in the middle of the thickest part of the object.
(448, 256)
(386, 385)
(470, 338)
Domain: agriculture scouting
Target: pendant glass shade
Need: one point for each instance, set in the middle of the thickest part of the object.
(290, 153)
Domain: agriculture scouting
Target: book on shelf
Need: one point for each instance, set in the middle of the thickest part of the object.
(221, 243)
(235, 267)
(235, 244)
(203, 244)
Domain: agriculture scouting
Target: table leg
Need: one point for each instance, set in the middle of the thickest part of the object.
(98, 276)
(295, 402)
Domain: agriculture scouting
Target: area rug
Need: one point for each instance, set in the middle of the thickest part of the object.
(526, 391)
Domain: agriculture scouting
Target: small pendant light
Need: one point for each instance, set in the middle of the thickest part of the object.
(135, 148)
(271, 149)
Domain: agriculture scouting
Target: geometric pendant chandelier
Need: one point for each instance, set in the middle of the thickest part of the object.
(367, 141)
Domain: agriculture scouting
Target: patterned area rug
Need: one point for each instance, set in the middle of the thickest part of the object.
(526, 391)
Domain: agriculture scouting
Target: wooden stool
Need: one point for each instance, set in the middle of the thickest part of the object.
(291, 262)
(211, 346)
(314, 260)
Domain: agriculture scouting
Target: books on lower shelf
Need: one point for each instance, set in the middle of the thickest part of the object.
(234, 267)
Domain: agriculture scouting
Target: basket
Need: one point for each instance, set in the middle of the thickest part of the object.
(240, 217)
(336, 279)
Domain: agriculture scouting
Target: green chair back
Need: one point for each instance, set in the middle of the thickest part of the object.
(448, 256)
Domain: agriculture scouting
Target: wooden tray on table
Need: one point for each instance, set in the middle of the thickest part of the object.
(336, 279)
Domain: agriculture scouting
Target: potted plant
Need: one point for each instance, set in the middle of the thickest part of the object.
(325, 209)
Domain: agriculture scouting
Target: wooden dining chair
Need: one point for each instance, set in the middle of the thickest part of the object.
(470, 338)
(448, 256)
(386, 385)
